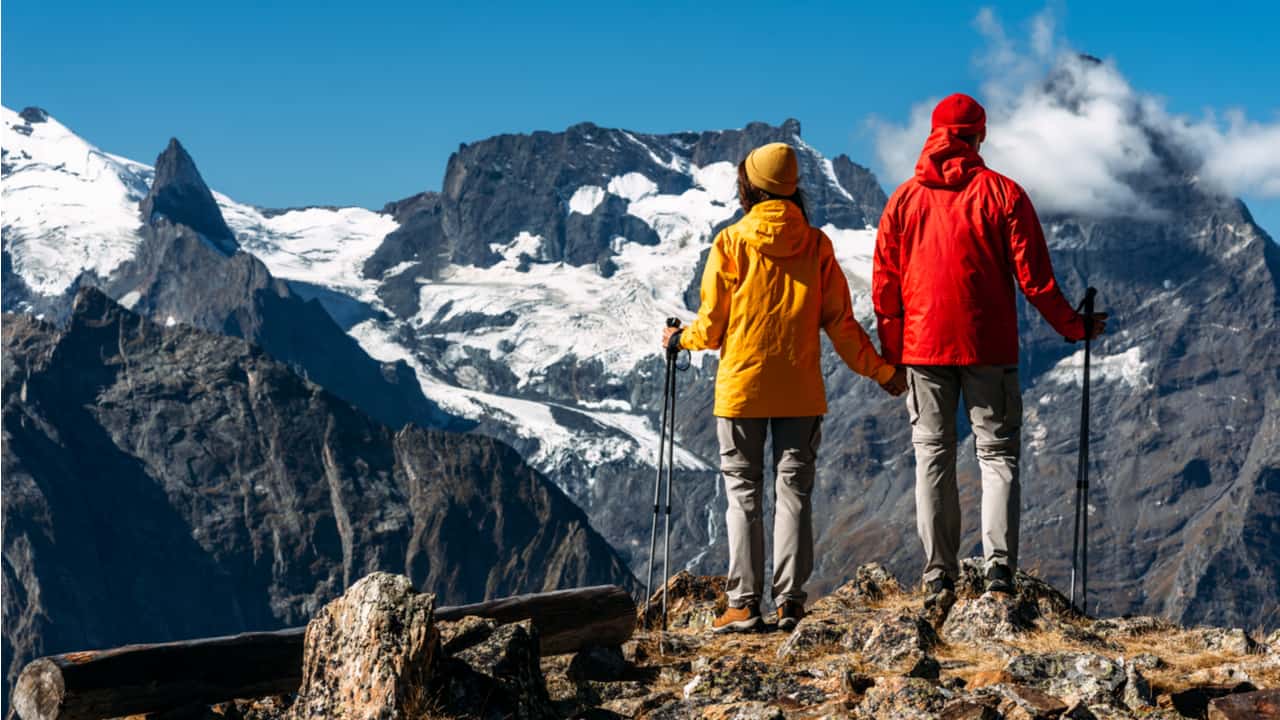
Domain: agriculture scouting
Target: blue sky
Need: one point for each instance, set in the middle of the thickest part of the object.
(288, 103)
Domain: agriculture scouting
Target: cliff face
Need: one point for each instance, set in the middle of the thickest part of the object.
(164, 483)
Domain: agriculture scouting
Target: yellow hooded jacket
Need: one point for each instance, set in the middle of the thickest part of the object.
(771, 282)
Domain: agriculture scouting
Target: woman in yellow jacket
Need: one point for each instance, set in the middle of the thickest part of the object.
(771, 283)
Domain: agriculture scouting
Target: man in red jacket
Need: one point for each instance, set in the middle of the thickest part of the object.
(951, 243)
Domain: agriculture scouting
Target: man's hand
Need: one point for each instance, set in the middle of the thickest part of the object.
(667, 332)
(1099, 324)
(897, 384)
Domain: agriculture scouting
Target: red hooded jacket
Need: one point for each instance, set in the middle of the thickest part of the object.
(950, 243)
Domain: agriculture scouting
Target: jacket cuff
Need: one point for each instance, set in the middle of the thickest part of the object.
(884, 374)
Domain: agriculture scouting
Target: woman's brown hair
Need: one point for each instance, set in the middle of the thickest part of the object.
(750, 195)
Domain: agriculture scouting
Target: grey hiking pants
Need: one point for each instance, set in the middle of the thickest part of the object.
(795, 448)
(993, 400)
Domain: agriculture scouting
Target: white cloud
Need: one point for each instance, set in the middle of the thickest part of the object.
(1075, 132)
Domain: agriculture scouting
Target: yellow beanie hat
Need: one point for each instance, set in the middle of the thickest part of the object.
(773, 168)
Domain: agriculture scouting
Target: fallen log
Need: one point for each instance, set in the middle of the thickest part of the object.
(152, 678)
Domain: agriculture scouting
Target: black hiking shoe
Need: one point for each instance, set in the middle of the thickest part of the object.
(940, 595)
(999, 579)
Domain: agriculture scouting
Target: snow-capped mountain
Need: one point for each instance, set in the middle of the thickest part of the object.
(524, 298)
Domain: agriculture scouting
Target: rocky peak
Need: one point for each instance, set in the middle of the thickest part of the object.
(34, 115)
(180, 194)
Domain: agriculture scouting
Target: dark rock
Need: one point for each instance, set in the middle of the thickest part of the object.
(1194, 702)
(924, 667)
(1019, 702)
(968, 710)
(856, 683)
(34, 115)
(602, 664)
(1246, 706)
(179, 194)
(509, 660)
(371, 653)
(461, 634)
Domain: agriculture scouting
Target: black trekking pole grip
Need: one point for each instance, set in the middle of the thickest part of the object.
(673, 322)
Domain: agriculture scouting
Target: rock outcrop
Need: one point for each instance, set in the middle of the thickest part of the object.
(900, 670)
(370, 655)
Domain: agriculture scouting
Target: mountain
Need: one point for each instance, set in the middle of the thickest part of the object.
(526, 294)
(164, 482)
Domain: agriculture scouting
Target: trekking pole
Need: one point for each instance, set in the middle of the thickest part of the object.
(671, 470)
(1080, 538)
(657, 480)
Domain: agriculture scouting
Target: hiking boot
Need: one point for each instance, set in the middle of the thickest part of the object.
(790, 612)
(734, 620)
(999, 579)
(940, 596)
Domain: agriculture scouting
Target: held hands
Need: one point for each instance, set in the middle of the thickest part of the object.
(897, 384)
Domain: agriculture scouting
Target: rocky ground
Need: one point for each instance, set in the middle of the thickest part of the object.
(868, 650)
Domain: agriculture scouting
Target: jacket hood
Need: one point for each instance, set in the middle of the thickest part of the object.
(776, 228)
(947, 161)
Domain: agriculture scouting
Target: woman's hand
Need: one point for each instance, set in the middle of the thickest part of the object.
(667, 332)
(897, 384)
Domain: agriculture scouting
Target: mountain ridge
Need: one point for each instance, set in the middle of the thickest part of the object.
(537, 326)
(191, 475)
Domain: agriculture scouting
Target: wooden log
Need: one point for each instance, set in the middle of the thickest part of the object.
(151, 678)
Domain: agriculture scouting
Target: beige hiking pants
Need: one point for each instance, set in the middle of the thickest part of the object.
(993, 400)
(795, 448)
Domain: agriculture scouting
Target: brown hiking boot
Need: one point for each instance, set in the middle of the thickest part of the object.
(790, 613)
(734, 620)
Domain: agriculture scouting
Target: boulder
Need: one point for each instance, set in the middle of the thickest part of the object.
(501, 675)
(968, 710)
(1225, 640)
(898, 638)
(988, 617)
(1086, 677)
(923, 666)
(1194, 702)
(903, 699)
(1257, 705)
(693, 602)
(1020, 702)
(372, 653)
(461, 634)
(599, 664)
